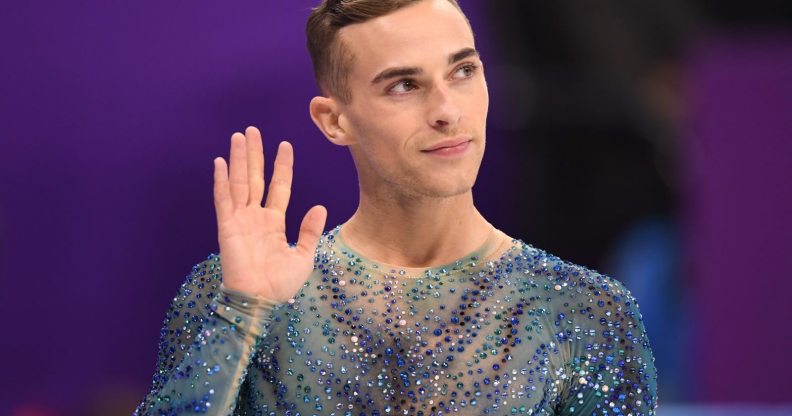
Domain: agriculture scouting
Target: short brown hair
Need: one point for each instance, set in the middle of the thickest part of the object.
(332, 60)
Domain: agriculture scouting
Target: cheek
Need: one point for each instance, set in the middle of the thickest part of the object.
(383, 131)
(483, 100)
(376, 139)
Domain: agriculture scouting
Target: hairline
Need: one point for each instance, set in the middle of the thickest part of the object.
(341, 70)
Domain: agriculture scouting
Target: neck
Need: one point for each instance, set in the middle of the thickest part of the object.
(415, 231)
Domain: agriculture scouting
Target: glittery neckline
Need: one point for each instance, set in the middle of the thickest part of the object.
(486, 252)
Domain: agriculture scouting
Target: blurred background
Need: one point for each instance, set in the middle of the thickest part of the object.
(647, 140)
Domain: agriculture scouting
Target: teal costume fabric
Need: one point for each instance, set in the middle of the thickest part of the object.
(508, 329)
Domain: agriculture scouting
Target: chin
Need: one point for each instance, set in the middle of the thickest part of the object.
(445, 190)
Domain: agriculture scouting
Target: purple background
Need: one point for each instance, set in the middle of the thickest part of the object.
(110, 116)
(739, 240)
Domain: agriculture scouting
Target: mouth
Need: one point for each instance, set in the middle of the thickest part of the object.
(452, 147)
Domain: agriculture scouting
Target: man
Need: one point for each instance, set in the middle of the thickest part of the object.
(416, 305)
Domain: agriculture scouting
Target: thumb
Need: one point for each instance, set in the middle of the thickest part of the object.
(311, 229)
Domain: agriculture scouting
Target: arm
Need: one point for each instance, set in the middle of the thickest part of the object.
(611, 365)
(213, 328)
(206, 344)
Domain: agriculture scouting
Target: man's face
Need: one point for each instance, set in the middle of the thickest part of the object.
(417, 83)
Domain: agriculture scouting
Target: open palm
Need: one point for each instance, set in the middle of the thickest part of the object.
(254, 252)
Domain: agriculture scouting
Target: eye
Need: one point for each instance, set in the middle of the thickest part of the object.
(402, 87)
(466, 71)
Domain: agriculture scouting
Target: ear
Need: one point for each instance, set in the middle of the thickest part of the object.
(327, 114)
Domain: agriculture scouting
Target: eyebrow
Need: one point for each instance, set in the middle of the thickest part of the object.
(462, 54)
(412, 71)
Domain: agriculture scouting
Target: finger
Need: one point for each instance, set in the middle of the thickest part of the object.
(279, 189)
(255, 166)
(311, 229)
(238, 171)
(222, 197)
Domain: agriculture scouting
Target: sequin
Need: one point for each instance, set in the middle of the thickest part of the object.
(521, 332)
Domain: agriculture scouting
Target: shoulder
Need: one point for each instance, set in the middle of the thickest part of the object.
(201, 283)
(579, 289)
(563, 275)
(596, 319)
(329, 259)
(191, 304)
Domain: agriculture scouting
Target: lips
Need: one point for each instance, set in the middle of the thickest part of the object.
(448, 143)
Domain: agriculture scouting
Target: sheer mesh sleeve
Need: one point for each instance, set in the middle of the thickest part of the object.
(611, 368)
(208, 337)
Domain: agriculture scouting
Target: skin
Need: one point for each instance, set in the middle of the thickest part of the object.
(416, 208)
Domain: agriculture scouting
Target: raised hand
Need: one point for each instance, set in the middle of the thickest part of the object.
(254, 252)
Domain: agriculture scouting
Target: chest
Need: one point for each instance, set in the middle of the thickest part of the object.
(408, 346)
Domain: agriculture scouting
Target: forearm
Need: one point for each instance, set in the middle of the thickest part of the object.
(208, 377)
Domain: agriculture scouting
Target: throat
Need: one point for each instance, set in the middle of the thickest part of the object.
(413, 262)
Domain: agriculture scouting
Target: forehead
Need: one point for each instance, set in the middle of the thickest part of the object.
(420, 34)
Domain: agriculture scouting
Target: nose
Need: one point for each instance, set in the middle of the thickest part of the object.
(442, 110)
